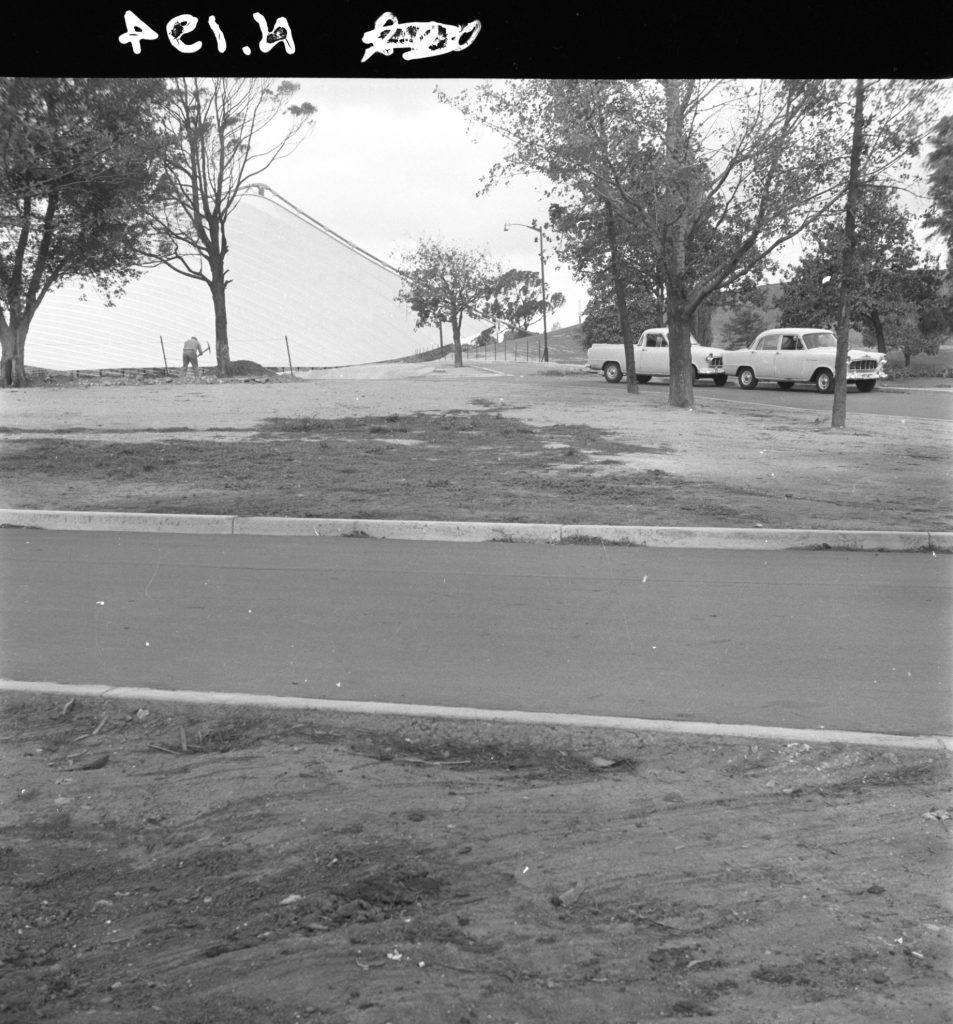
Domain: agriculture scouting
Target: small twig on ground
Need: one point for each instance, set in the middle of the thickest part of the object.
(88, 766)
(442, 764)
(165, 750)
(87, 735)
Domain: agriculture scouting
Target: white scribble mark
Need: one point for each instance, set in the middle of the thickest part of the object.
(419, 38)
(217, 32)
(181, 26)
(270, 38)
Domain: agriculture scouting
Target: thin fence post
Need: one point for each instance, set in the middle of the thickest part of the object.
(164, 360)
(288, 350)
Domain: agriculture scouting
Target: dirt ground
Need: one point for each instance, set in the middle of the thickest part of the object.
(161, 862)
(168, 864)
(431, 442)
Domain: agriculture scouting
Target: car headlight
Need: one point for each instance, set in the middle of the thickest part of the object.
(709, 358)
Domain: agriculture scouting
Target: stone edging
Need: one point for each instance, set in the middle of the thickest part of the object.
(535, 533)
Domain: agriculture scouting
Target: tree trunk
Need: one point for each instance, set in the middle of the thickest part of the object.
(222, 357)
(632, 385)
(848, 261)
(681, 392)
(12, 343)
(879, 332)
(872, 319)
(456, 324)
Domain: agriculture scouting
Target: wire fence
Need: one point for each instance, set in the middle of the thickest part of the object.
(276, 356)
(527, 350)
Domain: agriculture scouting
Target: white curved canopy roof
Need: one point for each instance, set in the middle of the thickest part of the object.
(290, 276)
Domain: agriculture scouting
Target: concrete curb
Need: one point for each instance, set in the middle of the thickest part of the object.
(530, 533)
(361, 710)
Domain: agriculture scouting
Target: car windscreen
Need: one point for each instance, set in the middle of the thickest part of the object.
(820, 339)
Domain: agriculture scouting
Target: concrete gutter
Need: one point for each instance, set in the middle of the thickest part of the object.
(530, 533)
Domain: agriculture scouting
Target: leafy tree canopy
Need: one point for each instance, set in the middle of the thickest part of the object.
(940, 180)
(895, 287)
(444, 282)
(79, 176)
(516, 299)
(742, 326)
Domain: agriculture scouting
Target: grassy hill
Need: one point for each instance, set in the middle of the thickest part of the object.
(565, 345)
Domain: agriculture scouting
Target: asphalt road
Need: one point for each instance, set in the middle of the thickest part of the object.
(884, 400)
(835, 640)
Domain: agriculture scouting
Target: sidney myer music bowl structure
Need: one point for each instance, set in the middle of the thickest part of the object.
(291, 277)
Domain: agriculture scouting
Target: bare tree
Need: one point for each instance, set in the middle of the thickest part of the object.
(223, 133)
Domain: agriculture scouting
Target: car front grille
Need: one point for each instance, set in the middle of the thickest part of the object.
(863, 365)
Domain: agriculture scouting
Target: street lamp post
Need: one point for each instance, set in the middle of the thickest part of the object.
(542, 274)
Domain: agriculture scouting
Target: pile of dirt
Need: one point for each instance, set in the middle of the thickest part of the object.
(246, 368)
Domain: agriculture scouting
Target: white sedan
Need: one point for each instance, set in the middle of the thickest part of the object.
(796, 355)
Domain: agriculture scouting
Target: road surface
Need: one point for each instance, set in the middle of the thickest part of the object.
(834, 640)
(885, 400)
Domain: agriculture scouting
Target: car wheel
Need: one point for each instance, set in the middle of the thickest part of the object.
(747, 379)
(785, 385)
(612, 373)
(866, 385)
(824, 381)
(694, 374)
(720, 379)
(643, 378)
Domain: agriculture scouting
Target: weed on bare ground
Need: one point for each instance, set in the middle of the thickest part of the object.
(166, 863)
(453, 466)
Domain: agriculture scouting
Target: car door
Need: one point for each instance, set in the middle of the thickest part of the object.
(655, 355)
(789, 360)
(763, 356)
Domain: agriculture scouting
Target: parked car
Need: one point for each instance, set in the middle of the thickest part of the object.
(651, 359)
(801, 355)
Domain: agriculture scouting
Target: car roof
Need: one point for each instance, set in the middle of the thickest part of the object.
(798, 330)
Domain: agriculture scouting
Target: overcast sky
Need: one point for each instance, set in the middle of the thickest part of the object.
(387, 163)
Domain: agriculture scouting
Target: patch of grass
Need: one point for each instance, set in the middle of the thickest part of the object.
(456, 466)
